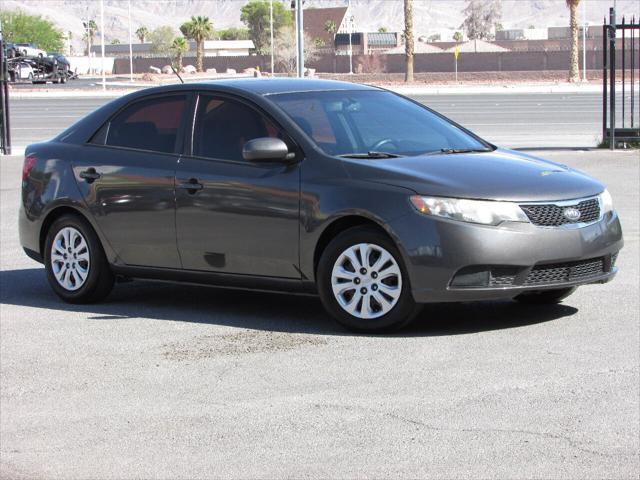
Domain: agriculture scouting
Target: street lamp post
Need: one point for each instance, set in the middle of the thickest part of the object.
(271, 31)
(585, 24)
(350, 27)
(300, 37)
(104, 80)
(130, 47)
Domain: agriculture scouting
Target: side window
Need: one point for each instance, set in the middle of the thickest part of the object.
(223, 126)
(148, 125)
(312, 118)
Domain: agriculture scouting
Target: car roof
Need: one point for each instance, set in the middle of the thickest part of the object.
(269, 86)
(260, 86)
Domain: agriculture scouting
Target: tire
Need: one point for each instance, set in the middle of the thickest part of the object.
(390, 303)
(545, 297)
(68, 232)
(30, 77)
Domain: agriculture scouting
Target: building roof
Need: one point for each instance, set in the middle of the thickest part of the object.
(381, 39)
(474, 46)
(316, 18)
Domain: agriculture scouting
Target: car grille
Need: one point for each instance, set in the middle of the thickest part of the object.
(565, 272)
(551, 215)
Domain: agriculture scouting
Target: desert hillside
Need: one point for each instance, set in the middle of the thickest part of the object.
(430, 15)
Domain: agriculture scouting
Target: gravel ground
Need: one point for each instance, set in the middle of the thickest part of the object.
(166, 381)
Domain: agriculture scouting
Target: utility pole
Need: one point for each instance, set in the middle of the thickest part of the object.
(130, 47)
(584, 40)
(350, 27)
(271, 31)
(104, 80)
(300, 37)
(87, 27)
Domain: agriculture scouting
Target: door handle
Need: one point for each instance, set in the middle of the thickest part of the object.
(90, 175)
(192, 186)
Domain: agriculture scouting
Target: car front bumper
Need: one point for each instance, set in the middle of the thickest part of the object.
(449, 261)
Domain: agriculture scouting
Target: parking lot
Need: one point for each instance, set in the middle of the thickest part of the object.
(171, 381)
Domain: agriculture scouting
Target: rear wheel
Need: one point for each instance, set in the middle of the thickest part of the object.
(77, 268)
(363, 283)
(542, 297)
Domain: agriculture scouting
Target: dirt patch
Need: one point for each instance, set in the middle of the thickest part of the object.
(240, 343)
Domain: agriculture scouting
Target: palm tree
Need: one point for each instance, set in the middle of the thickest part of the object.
(408, 39)
(142, 33)
(198, 29)
(574, 73)
(179, 47)
(90, 29)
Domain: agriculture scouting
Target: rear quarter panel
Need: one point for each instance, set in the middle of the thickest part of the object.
(51, 185)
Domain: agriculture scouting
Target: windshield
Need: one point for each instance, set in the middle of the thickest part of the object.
(371, 124)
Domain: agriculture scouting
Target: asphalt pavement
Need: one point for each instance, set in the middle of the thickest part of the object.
(513, 120)
(175, 381)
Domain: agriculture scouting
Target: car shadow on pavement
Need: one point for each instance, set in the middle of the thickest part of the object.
(260, 310)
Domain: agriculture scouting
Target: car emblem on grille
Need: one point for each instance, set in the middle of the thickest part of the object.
(572, 214)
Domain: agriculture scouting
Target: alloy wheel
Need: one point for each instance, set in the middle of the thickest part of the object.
(366, 281)
(70, 259)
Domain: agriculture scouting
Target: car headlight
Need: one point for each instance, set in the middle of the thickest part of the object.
(474, 211)
(606, 202)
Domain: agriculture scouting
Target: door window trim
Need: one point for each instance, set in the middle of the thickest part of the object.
(189, 141)
(183, 125)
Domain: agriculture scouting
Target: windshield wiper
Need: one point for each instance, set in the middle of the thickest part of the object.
(464, 150)
(370, 155)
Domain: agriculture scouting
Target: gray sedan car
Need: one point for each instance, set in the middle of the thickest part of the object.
(369, 199)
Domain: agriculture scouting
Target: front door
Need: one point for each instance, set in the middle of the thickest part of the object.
(235, 216)
(127, 174)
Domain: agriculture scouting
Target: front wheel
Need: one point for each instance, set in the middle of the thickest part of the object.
(363, 283)
(77, 268)
(543, 297)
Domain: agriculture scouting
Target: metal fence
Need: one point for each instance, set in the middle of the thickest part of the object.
(620, 116)
(5, 131)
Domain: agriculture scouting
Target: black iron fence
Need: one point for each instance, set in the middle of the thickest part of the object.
(5, 131)
(620, 72)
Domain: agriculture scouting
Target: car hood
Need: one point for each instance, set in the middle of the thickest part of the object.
(497, 175)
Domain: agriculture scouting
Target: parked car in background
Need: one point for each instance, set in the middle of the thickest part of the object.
(60, 58)
(23, 71)
(29, 50)
(368, 198)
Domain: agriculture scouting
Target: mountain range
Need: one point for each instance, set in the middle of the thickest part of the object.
(430, 16)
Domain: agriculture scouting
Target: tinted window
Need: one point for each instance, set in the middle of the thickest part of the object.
(343, 122)
(223, 126)
(148, 125)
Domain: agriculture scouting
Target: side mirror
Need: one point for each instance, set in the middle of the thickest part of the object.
(266, 149)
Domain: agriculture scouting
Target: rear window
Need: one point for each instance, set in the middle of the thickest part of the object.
(146, 125)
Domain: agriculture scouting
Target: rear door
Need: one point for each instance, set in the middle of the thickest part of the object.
(127, 175)
(235, 216)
